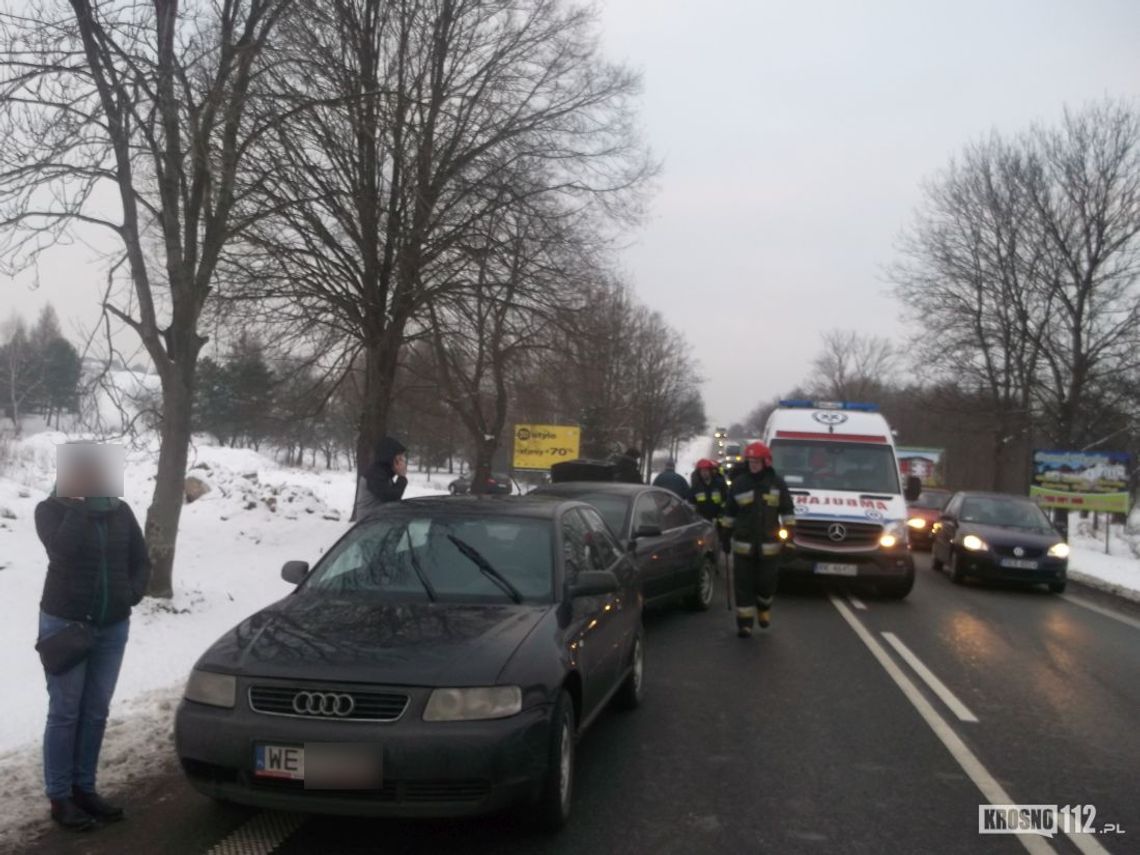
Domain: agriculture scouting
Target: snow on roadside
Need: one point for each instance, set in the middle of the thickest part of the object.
(232, 543)
(1118, 570)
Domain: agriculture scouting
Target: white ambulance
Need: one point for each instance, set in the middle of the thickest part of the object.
(839, 462)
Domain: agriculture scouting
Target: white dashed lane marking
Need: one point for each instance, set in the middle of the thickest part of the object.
(260, 836)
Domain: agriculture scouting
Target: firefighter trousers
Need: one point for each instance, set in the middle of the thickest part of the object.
(754, 585)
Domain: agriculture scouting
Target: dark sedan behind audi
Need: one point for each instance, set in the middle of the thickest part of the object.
(999, 537)
(440, 661)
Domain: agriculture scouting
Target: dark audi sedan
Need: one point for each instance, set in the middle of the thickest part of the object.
(999, 537)
(440, 660)
(673, 546)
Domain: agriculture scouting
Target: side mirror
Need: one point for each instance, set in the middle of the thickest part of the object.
(595, 583)
(647, 531)
(913, 488)
(295, 572)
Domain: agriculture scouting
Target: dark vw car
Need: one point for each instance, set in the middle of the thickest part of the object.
(440, 661)
(999, 537)
(674, 547)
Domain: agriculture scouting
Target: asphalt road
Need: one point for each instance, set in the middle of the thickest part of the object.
(819, 735)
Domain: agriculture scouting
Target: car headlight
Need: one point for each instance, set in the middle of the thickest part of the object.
(473, 704)
(1059, 550)
(973, 543)
(208, 687)
(916, 523)
(893, 536)
(783, 534)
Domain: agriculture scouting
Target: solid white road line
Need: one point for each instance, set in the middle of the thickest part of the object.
(993, 792)
(1093, 607)
(261, 835)
(937, 686)
(857, 603)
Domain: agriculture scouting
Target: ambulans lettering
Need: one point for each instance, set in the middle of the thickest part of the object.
(840, 501)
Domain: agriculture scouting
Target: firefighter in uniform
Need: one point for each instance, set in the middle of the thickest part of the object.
(759, 514)
(708, 490)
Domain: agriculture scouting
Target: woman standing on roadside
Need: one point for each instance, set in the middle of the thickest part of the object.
(97, 570)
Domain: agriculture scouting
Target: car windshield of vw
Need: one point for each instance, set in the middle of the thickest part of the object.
(1005, 513)
(442, 557)
(835, 465)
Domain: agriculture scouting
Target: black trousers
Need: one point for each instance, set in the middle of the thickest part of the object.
(754, 584)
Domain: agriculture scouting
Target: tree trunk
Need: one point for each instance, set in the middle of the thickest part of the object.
(169, 489)
(379, 385)
(484, 454)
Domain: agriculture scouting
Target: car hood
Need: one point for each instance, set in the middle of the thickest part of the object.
(317, 636)
(999, 536)
(848, 505)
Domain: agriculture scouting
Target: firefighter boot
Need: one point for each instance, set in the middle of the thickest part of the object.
(764, 618)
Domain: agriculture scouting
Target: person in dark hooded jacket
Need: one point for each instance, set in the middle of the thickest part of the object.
(385, 479)
(627, 467)
(98, 570)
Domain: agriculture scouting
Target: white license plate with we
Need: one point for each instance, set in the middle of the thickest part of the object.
(279, 761)
(1019, 563)
(321, 765)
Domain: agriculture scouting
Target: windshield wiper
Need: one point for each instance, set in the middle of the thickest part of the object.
(432, 596)
(488, 569)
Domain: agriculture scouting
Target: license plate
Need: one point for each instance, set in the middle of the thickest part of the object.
(279, 761)
(1019, 563)
(321, 765)
(826, 569)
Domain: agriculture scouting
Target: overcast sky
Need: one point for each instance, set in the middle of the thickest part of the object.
(794, 138)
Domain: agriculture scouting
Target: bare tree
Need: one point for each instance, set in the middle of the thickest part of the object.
(137, 118)
(853, 366)
(433, 104)
(21, 371)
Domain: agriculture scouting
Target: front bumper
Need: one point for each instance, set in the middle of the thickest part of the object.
(429, 769)
(987, 565)
(920, 538)
(880, 565)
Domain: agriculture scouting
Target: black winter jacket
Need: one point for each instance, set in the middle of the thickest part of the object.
(383, 482)
(709, 498)
(670, 480)
(98, 566)
(758, 506)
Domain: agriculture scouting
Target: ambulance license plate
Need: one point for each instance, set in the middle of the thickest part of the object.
(827, 569)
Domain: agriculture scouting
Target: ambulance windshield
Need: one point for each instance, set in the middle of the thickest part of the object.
(829, 465)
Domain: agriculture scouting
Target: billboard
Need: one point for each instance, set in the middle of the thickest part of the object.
(539, 446)
(1083, 480)
(923, 463)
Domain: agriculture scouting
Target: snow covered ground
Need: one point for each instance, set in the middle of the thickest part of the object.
(232, 544)
(1118, 569)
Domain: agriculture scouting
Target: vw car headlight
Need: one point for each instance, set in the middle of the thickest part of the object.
(215, 690)
(916, 523)
(473, 704)
(1059, 550)
(974, 543)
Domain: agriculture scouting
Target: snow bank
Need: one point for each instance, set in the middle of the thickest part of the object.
(1118, 570)
(232, 543)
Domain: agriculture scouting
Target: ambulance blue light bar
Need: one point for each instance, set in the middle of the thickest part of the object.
(854, 406)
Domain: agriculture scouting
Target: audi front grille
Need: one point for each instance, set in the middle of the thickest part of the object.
(327, 703)
(838, 536)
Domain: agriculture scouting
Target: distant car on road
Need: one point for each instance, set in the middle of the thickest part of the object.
(441, 659)
(999, 537)
(923, 513)
(497, 485)
(673, 546)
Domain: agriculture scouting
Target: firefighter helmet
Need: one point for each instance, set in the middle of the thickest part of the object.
(758, 451)
(705, 463)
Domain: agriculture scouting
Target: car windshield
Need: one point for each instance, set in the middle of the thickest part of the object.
(614, 509)
(1005, 513)
(854, 466)
(933, 499)
(428, 556)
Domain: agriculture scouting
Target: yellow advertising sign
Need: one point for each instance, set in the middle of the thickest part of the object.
(539, 446)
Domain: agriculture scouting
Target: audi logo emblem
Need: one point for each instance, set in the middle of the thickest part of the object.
(323, 703)
(837, 532)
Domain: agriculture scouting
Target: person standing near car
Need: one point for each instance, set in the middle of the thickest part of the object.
(98, 570)
(708, 490)
(385, 479)
(758, 509)
(670, 480)
(627, 467)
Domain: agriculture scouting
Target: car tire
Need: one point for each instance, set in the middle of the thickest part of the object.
(956, 574)
(558, 789)
(632, 689)
(701, 599)
(1057, 587)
